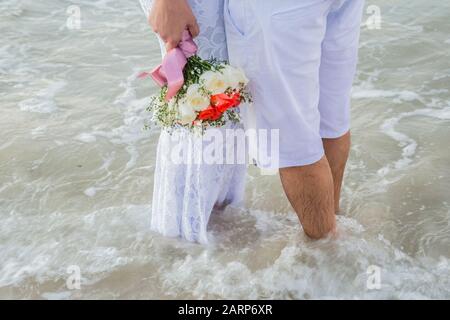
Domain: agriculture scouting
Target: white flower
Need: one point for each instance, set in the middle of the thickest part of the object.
(172, 104)
(234, 76)
(186, 112)
(214, 81)
(196, 99)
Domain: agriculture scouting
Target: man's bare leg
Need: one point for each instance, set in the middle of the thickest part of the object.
(337, 151)
(310, 192)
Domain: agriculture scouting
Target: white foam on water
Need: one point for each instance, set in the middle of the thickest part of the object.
(90, 192)
(62, 295)
(408, 145)
(134, 155)
(399, 96)
(11, 9)
(390, 172)
(290, 266)
(38, 132)
(304, 269)
(44, 100)
(134, 114)
(86, 137)
(90, 245)
(128, 135)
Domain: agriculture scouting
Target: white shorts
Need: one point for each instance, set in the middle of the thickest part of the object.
(300, 57)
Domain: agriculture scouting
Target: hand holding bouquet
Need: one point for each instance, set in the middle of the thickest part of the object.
(196, 93)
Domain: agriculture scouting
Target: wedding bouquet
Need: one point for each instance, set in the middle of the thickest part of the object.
(196, 93)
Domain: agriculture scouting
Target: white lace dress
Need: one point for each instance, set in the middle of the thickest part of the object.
(185, 192)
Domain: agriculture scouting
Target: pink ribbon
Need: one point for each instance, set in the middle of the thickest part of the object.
(170, 71)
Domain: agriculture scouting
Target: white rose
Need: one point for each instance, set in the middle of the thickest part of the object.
(214, 81)
(186, 113)
(234, 76)
(196, 99)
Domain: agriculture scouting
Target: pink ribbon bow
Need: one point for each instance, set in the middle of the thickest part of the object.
(170, 71)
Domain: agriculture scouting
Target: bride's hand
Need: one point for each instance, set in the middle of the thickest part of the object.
(169, 18)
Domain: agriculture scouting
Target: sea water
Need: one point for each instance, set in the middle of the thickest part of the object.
(76, 169)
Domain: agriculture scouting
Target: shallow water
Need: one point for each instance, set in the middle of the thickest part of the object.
(76, 170)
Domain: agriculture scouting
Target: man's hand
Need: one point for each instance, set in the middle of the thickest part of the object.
(169, 18)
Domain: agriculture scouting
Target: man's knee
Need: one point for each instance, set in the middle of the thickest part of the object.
(310, 191)
(319, 233)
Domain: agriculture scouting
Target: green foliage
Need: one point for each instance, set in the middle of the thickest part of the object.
(194, 68)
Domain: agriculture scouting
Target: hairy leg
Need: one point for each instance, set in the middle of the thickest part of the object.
(310, 192)
(337, 151)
